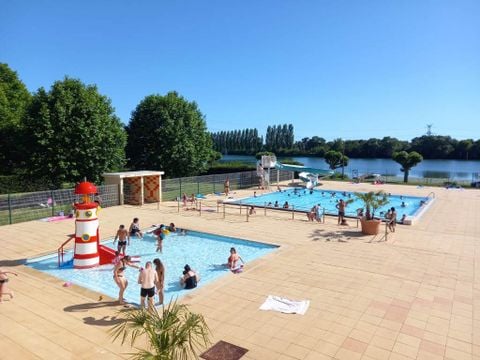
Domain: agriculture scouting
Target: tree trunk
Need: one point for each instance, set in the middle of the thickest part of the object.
(405, 176)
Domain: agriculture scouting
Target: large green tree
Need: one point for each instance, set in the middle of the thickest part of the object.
(168, 133)
(408, 161)
(14, 99)
(73, 133)
(335, 159)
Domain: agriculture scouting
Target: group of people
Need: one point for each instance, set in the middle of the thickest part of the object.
(286, 205)
(151, 280)
(161, 231)
(186, 199)
(123, 235)
(314, 213)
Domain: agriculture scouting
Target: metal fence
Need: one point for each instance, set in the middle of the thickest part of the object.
(211, 184)
(22, 207)
(370, 175)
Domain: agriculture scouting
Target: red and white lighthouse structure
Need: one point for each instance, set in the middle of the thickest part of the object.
(86, 227)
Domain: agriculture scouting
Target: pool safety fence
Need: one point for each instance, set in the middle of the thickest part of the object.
(173, 189)
(20, 207)
(435, 178)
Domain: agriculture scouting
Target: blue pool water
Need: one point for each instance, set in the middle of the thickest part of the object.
(203, 252)
(304, 200)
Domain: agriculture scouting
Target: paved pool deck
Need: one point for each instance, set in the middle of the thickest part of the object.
(414, 296)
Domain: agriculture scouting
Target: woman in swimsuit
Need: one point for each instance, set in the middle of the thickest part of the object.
(3, 284)
(119, 276)
(160, 269)
(233, 259)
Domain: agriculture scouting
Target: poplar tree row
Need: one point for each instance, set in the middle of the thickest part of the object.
(244, 141)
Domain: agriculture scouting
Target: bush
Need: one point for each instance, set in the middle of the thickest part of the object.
(259, 155)
(229, 167)
(10, 184)
(291, 162)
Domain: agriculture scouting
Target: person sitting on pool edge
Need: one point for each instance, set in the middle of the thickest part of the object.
(134, 229)
(233, 259)
(190, 278)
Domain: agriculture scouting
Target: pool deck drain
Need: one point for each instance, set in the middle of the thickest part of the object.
(415, 296)
(223, 350)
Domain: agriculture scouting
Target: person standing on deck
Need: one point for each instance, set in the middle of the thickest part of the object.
(341, 205)
(226, 186)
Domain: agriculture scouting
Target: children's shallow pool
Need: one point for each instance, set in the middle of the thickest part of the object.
(205, 253)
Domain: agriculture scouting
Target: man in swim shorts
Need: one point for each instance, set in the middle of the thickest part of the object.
(122, 236)
(147, 279)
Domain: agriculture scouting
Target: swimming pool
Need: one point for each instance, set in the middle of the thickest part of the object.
(203, 252)
(303, 200)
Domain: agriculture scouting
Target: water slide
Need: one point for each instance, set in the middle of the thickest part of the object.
(307, 174)
(106, 254)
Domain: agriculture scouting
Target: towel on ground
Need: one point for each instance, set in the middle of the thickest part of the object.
(284, 305)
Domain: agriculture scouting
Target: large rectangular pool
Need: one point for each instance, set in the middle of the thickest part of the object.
(205, 253)
(302, 199)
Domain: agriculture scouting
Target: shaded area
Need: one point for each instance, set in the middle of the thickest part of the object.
(338, 235)
(107, 320)
(223, 350)
(16, 262)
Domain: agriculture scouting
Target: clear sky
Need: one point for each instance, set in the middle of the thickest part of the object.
(333, 68)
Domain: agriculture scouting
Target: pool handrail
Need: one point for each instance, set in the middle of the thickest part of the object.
(60, 251)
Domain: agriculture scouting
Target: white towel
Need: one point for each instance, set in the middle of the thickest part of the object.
(284, 305)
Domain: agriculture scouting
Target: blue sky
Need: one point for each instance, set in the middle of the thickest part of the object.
(333, 68)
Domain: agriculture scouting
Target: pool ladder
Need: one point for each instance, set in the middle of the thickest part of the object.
(61, 252)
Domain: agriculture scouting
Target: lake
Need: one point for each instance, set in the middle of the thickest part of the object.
(451, 169)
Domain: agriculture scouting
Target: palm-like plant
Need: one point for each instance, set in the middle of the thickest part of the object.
(372, 201)
(174, 333)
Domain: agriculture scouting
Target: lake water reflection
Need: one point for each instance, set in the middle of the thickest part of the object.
(451, 169)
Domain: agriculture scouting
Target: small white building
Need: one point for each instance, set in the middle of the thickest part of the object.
(137, 187)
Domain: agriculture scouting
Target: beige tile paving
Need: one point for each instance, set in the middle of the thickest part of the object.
(414, 296)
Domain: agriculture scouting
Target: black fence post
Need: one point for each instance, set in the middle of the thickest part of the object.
(53, 203)
(213, 184)
(9, 209)
(180, 189)
(198, 186)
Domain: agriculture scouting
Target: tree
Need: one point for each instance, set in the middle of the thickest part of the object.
(408, 161)
(372, 201)
(168, 133)
(14, 100)
(464, 147)
(73, 133)
(335, 159)
(175, 333)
